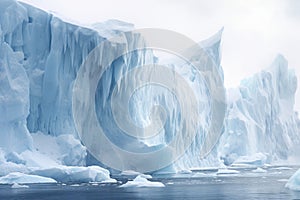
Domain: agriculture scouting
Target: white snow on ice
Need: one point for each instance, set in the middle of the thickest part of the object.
(20, 178)
(140, 181)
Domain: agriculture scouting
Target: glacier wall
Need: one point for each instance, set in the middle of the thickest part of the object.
(39, 59)
(50, 52)
(14, 82)
(53, 51)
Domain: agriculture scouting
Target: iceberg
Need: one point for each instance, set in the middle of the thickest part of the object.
(51, 61)
(261, 124)
(141, 181)
(40, 56)
(67, 174)
(294, 182)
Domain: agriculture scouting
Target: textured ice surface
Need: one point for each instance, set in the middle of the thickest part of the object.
(39, 59)
(141, 181)
(14, 91)
(75, 174)
(9, 167)
(261, 125)
(64, 149)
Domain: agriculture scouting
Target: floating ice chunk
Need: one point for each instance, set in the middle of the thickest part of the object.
(259, 170)
(17, 186)
(20, 178)
(140, 181)
(283, 180)
(75, 185)
(227, 171)
(294, 182)
(76, 174)
(283, 168)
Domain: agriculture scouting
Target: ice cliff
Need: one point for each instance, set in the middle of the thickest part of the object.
(261, 117)
(39, 59)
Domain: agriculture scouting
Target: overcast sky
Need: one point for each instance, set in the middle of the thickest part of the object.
(255, 31)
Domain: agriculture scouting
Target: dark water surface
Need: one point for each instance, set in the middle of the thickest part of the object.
(198, 185)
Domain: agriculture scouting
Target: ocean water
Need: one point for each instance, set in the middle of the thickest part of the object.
(201, 184)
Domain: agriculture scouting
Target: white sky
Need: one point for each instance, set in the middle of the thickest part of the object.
(255, 31)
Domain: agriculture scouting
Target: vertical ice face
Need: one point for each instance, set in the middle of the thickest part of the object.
(192, 157)
(261, 116)
(52, 63)
(54, 51)
(14, 83)
(40, 56)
